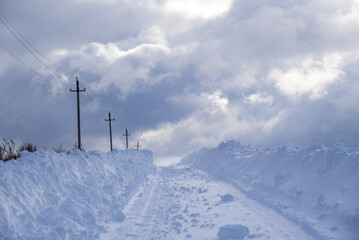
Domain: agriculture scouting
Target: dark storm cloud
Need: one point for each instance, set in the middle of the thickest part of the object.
(180, 77)
(30, 113)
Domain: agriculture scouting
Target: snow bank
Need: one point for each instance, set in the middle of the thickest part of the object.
(45, 195)
(316, 187)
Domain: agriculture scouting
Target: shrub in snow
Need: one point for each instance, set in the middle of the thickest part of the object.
(228, 232)
(45, 195)
(61, 149)
(28, 147)
(8, 150)
(227, 198)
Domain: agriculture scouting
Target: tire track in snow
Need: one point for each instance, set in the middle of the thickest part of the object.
(180, 203)
(136, 224)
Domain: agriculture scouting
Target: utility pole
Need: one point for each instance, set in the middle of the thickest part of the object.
(138, 145)
(126, 134)
(78, 112)
(109, 120)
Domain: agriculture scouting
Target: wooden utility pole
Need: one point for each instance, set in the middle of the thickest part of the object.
(126, 134)
(109, 120)
(78, 112)
(138, 145)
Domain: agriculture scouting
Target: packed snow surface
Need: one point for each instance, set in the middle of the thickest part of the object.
(45, 195)
(315, 187)
(181, 203)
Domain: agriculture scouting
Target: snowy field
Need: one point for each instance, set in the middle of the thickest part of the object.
(229, 192)
(45, 195)
(316, 188)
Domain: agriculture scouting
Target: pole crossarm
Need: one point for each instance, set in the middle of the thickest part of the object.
(77, 87)
(78, 90)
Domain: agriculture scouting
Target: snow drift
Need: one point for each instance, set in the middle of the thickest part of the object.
(45, 195)
(316, 187)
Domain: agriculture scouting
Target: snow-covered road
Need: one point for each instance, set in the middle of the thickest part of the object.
(181, 203)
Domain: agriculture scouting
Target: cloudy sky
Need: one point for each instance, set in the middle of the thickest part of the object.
(181, 74)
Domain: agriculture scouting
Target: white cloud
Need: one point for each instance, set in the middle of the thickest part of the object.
(258, 98)
(311, 77)
(217, 101)
(216, 120)
(205, 9)
(270, 124)
(352, 16)
(126, 65)
(111, 2)
(206, 123)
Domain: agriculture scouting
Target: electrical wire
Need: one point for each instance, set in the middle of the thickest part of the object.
(9, 26)
(23, 63)
(26, 47)
(100, 112)
(42, 55)
(31, 49)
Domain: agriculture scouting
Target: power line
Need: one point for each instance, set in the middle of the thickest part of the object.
(126, 135)
(23, 63)
(42, 55)
(24, 43)
(37, 54)
(78, 90)
(98, 109)
(109, 120)
(53, 69)
(138, 145)
(27, 48)
(7, 23)
(100, 112)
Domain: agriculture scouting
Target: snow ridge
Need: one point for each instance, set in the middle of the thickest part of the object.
(315, 187)
(45, 195)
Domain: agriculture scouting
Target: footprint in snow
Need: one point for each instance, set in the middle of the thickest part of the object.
(194, 220)
(193, 215)
(236, 231)
(256, 235)
(227, 198)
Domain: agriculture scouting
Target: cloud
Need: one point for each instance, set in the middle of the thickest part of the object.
(205, 9)
(181, 75)
(125, 65)
(270, 124)
(257, 98)
(218, 102)
(216, 119)
(309, 78)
